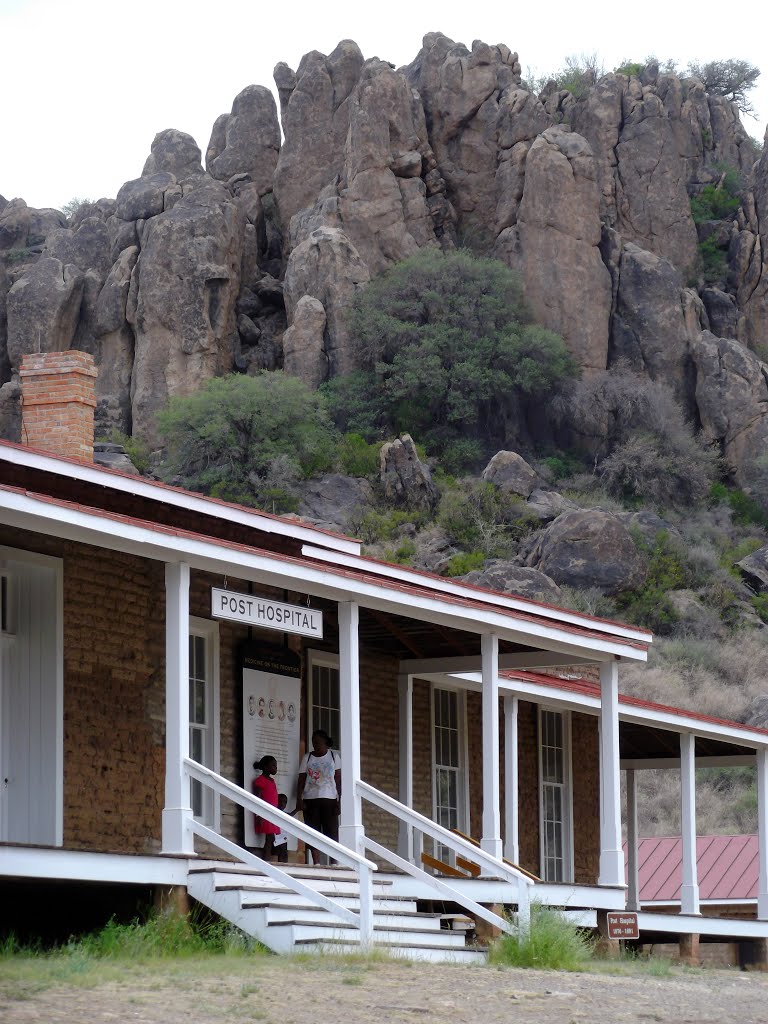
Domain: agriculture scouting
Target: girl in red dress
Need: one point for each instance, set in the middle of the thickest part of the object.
(264, 786)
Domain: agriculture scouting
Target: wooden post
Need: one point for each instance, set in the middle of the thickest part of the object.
(177, 813)
(633, 877)
(605, 945)
(689, 890)
(491, 838)
(351, 826)
(611, 852)
(762, 834)
(172, 899)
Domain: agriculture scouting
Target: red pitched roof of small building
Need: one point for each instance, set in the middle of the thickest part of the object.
(727, 868)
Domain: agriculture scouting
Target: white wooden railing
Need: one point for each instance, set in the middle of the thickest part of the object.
(489, 864)
(362, 867)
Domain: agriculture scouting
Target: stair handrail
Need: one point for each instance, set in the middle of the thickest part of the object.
(363, 867)
(493, 865)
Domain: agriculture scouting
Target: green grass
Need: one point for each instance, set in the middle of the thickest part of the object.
(186, 947)
(552, 943)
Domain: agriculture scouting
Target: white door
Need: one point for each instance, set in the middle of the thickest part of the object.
(31, 773)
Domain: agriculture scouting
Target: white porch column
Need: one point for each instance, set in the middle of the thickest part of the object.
(689, 890)
(491, 839)
(177, 813)
(511, 772)
(762, 834)
(633, 877)
(351, 824)
(611, 853)
(405, 698)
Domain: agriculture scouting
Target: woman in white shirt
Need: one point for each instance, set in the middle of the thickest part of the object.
(319, 789)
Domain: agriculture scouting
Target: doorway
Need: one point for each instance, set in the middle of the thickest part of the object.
(31, 698)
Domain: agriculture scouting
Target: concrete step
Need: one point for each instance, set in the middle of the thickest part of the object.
(394, 905)
(431, 954)
(307, 913)
(284, 935)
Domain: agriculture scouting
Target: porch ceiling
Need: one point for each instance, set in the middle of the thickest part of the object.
(403, 638)
(645, 743)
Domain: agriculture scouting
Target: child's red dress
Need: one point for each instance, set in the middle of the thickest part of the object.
(266, 788)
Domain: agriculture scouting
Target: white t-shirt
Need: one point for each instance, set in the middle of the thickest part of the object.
(320, 772)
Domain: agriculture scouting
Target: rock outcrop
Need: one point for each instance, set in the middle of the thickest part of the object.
(517, 580)
(250, 259)
(405, 480)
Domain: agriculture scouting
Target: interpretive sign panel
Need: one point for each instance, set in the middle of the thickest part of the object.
(622, 925)
(271, 717)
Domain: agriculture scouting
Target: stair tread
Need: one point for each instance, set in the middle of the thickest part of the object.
(393, 945)
(337, 925)
(417, 914)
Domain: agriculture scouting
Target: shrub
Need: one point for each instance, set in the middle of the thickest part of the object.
(649, 604)
(645, 448)
(481, 518)
(552, 943)
(714, 264)
(248, 439)
(448, 353)
(357, 457)
(464, 562)
(714, 203)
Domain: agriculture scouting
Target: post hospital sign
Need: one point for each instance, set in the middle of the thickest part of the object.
(257, 611)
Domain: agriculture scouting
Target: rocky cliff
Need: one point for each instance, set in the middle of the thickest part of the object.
(251, 261)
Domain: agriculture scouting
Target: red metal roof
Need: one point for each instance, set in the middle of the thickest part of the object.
(591, 689)
(295, 521)
(727, 868)
(474, 598)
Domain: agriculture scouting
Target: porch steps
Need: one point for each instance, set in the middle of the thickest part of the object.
(286, 922)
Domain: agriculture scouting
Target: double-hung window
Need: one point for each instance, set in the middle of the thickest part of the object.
(555, 813)
(204, 713)
(324, 699)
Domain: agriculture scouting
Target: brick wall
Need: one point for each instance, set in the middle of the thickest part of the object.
(586, 798)
(58, 400)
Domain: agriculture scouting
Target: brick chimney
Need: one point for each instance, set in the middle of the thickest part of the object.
(58, 397)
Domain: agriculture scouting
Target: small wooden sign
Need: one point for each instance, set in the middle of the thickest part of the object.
(622, 925)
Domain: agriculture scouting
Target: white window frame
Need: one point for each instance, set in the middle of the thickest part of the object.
(463, 775)
(208, 629)
(322, 659)
(567, 793)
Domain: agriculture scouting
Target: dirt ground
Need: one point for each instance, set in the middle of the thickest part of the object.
(281, 991)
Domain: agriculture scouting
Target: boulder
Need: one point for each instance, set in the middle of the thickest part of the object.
(334, 501)
(754, 569)
(649, 327)
(181, 301)
(732, 401)
(327, 267)
(88, 246)
(404, 477)
(589, 548)
(508, 578)
(113, 456)
(175, 152)
(248, 140)
(555, 245)
(548, 505)
(145, 197)
(722, 312)
(510, 472)
(43, 308)
(24, 227)
(304, 354)
(314, 105)
(10, 411)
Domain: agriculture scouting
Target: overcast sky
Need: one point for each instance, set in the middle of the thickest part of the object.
(86, 84)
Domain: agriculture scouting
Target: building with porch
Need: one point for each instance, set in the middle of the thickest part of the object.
(135, 616)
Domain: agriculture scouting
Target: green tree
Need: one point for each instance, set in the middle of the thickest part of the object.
(732, 78)
(448, 352)
(248, 439)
